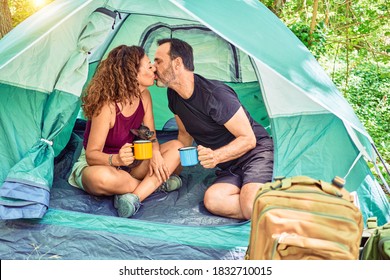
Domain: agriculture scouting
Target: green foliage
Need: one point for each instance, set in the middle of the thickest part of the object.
(368, 93)
(316, 41)
(22, 9)
(385, 175)
(351, 42)
(344, 25)
(362, 26)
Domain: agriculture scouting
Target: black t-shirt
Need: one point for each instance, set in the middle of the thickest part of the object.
(204, 114)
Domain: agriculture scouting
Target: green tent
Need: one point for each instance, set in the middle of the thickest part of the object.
(47, 60)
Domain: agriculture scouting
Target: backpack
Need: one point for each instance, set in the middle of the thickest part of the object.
(377, 246)
(303, 218)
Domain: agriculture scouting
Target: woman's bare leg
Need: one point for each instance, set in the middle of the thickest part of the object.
(149, 184)
(108, 180)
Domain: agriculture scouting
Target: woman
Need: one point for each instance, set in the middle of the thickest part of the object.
(117, 100)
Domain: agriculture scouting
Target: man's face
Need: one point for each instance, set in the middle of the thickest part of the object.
(164, 70)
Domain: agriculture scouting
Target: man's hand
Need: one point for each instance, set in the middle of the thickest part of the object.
(207, 157)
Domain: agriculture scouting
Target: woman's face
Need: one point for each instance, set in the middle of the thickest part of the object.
(145, 74)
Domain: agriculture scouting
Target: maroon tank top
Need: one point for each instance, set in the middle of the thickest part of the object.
(120, 134)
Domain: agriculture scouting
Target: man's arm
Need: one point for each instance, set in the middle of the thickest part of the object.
(183, 135)
(245, 140)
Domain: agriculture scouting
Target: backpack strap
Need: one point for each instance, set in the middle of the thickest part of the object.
(301, 180)
(372, 222)
(335, 188)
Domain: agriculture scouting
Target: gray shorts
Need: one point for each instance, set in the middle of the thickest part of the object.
(76, 176)
(254, 167)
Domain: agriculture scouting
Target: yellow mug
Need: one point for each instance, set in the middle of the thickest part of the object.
(142, 149)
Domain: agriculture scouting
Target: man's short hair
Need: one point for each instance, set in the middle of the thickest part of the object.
(182, 49)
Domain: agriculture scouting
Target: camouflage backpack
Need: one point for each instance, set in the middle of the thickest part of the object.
(377, 246)
(303, 218)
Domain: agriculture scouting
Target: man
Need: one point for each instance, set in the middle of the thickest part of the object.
(210, 113)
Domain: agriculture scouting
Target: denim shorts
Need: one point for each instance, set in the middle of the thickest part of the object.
(254, 167)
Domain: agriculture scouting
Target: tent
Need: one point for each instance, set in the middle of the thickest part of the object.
(47, 60)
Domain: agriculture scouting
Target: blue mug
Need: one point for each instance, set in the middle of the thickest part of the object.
(188, 156)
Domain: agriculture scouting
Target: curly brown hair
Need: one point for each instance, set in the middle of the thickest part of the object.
(115, 80)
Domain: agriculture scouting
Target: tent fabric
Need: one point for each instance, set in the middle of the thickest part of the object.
(22, 183)
(57, 27)
(47, 60)
(75, 72)
(301, 155)
(32, 175)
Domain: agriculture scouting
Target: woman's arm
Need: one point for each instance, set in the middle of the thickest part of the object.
(100, 125)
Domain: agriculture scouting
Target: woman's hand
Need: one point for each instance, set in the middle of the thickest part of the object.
(158, 167)
(125, 155)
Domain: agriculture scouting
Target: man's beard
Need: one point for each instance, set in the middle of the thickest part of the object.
(166, 77)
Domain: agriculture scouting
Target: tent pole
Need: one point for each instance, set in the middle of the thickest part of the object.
(384, 164)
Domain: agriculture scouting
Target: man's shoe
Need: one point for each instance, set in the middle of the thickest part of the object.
(173, 183)
(127, 204)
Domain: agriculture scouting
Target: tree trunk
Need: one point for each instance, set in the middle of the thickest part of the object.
(5, 18)
(347, 46)
(327, 4)
(278, 6)
(313, 20)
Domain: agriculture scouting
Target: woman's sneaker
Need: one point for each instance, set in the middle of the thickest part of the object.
(173, 183)
(126, 204)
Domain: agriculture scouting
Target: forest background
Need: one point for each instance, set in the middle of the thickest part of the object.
(349, 38)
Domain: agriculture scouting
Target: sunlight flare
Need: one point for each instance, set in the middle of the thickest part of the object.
(39, 3)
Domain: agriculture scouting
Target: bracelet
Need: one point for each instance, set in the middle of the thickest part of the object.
(110, 159)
